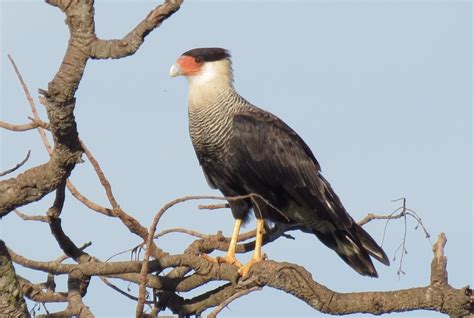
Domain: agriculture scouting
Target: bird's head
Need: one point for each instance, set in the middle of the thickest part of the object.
(204, 65)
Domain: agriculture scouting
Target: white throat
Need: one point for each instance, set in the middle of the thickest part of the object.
(213, 79)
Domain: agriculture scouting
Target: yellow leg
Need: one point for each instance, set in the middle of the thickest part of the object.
(230, 256)
(257, 254)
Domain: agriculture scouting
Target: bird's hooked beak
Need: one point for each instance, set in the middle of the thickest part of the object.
(175, 70)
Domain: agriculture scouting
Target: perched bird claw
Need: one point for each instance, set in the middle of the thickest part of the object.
(209, 258)
(244, 271)
(228, 259)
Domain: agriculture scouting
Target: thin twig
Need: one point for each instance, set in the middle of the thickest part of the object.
(403, 213)
(23, 127)
(120, 291)
(370, 217)
(64, 257)
(242, 237)
(35, 113)
(235, 296)
(25, 217)
(18, 165)
(88, 203)
(402, 247)
(100, 173)
(184, 231)
(417, 218)
(213, 206)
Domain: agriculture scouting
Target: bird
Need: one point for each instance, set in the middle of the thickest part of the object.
(248, 153)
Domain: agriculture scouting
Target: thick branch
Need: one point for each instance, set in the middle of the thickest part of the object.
(76, 306)
(12, 303)
(297, 281)
(36, 293)
(290, 278)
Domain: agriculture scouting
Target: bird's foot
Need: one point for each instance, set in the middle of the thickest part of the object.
(228, 259)
(245, 269)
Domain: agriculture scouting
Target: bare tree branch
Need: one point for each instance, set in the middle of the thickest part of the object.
(213, 206)
(21, 127)
(105, 49)
(102, 178)
(60, 100)
(287, 277)
(36, 293)
(88, 203)
(75, 293)
(25, 217)
(36, 116)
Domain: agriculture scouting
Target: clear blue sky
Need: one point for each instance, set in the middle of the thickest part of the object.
(380, 91)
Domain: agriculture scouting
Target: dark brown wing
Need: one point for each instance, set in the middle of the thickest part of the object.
(270, 159)
(272, 154)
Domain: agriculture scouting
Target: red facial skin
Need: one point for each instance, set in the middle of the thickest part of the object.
(188, 65)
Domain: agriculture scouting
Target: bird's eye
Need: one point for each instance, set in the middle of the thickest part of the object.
(198, 60)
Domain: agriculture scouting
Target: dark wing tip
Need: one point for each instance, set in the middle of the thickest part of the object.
(209, 54)
(370, 245)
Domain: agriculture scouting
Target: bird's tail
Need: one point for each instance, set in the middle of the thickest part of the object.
(369, 244)
(355, 246)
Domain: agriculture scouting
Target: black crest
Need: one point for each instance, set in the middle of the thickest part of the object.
(208, 54)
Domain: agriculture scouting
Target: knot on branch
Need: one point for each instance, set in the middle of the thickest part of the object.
(291, 277)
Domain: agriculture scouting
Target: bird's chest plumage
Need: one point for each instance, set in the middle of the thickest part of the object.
(210, 130)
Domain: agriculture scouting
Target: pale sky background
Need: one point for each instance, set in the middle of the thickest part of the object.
(381, 92)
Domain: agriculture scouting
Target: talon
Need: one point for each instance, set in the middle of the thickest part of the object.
(229, 259)
(209, 258)
(245, 270)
